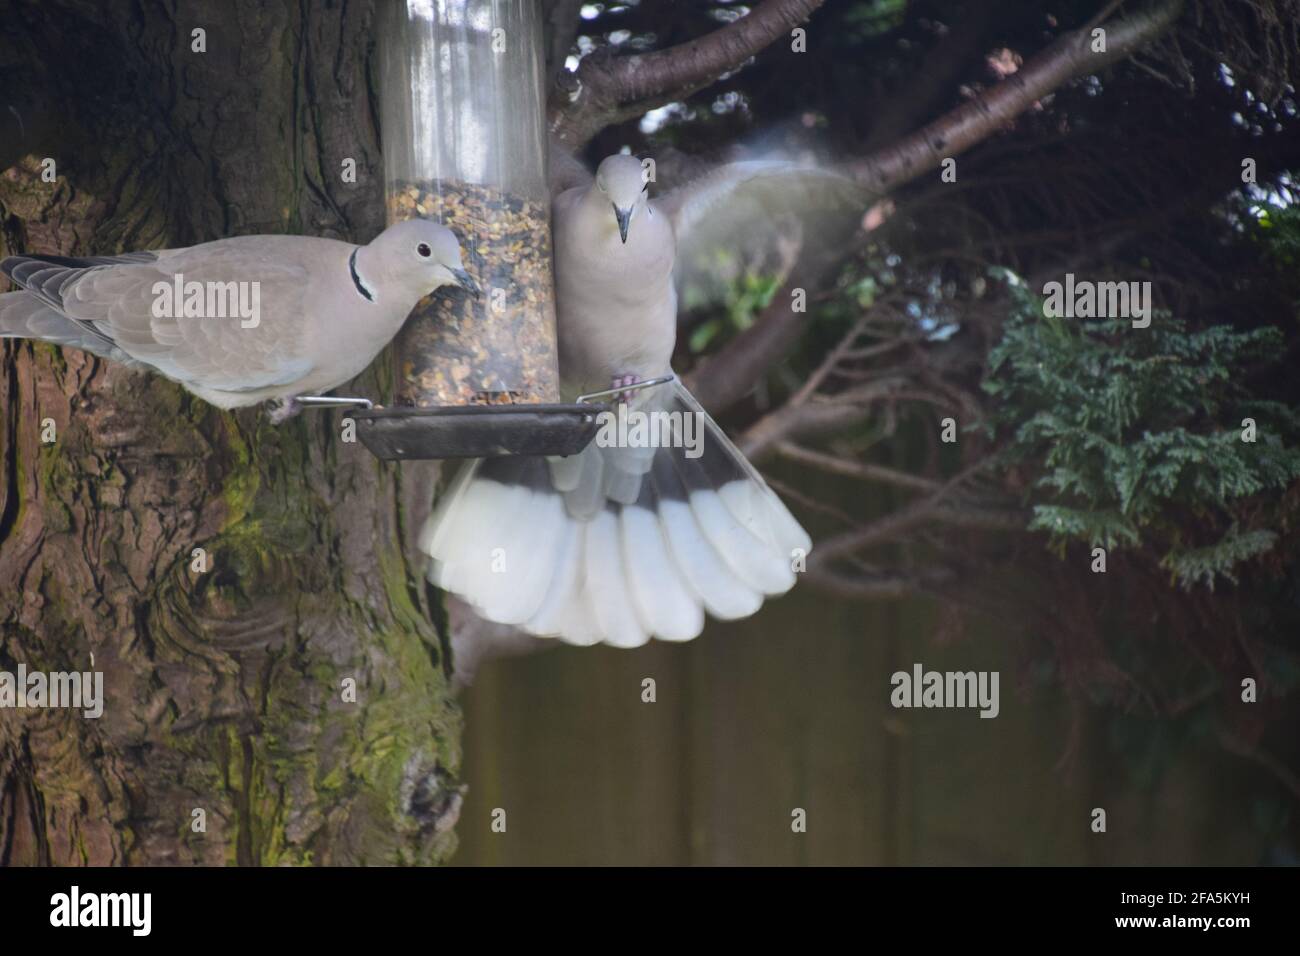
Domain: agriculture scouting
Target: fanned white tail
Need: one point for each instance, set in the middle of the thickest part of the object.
(615, 545)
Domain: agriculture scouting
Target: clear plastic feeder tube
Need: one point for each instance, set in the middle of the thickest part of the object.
(462, 108)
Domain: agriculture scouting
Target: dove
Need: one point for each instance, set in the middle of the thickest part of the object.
(237, 321)
(624, 541)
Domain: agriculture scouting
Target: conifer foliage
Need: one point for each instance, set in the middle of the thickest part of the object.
(1145, 437)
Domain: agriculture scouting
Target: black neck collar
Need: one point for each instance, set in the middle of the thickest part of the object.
(356, 277)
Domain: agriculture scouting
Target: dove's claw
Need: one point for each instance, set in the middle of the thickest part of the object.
(621, 382)
(283, 409)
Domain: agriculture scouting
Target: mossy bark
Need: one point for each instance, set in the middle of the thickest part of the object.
(224, 689)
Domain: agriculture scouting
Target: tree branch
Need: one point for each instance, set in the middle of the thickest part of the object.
(873, 587)
(813, 418)
(890, 525)
(866, 471)
(728, 376)
(1069, 57)
(561, 26)
(606, 90)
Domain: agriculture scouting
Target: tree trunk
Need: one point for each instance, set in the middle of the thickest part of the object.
(225, 689)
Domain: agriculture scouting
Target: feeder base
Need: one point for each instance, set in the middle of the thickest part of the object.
(477, 431)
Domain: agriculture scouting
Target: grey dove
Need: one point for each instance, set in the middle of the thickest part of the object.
(620, 544)
(237, 321)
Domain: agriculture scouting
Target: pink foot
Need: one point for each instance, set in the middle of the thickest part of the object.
(623, 381)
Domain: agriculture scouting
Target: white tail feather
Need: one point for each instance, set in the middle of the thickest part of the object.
(663, 604)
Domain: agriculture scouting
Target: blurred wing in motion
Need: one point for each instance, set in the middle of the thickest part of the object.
(755, 217)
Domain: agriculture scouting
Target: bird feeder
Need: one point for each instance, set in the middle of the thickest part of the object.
(462, 112)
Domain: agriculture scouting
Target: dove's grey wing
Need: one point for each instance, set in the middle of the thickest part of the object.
(755, 216)
(34, 312)
(26, 316)
(116, 296)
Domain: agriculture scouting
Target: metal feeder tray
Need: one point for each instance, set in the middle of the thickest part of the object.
(477, 431)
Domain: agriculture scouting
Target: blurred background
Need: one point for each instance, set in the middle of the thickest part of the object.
(791, 710)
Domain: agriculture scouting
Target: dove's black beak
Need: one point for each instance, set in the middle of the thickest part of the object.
(466, 282)
(624, 216)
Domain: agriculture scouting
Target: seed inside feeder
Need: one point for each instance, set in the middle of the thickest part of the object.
(498, 348)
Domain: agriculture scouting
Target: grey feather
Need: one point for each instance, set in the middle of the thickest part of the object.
(28, 317)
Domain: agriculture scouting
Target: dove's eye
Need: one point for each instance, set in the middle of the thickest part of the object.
(424, 250)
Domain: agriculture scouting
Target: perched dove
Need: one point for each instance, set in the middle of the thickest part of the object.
(620, 544)
(237, 321)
